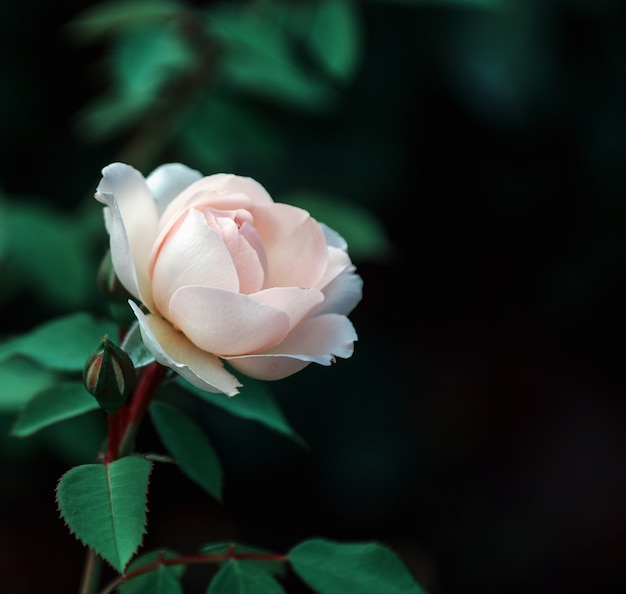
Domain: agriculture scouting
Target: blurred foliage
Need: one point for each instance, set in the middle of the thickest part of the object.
(470, 148)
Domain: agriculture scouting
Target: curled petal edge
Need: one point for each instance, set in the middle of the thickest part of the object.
(317, 340)
(201, 369)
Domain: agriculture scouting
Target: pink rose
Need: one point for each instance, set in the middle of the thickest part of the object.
(224, 272)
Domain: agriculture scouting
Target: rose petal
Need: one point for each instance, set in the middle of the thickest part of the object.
(222, 190)
(247, 261)
(342, 294)
(131, 220)
(317, 340)
(226, 323)
(191, 253)
(294, 244)
(333, 239)
(174, 350)
(168, 181)
(338, 262)
(297, 303)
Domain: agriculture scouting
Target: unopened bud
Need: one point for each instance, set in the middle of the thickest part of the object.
(109, 375)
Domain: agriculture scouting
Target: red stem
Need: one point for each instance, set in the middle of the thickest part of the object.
(230, 554)
(115, 434)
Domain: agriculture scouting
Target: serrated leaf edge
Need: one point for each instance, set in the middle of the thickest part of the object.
(79, 539)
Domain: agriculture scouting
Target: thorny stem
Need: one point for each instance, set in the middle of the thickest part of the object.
(194, 559)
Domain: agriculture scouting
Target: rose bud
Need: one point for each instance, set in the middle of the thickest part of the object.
(109, 375)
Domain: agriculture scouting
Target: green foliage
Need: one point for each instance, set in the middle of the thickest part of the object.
(105, 505)
(164, 579)
(255, 403)
(189, 446)
(337, 568)
(236, 577)
(63, 344)
(54, 267)
(117, 16)
(335, 37)
(21, 380)
(260, 60)
(51, 405)
(363, 232)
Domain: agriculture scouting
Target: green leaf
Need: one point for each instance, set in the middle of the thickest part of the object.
(21, 380)
(335, 37)
(189, 446)
(56, 403)
(242, 578)
(63, 344)
(163, 579)
(364, 233)
(105, 18)
(278, 568)
(56, 267)
(255, 403)
(259, 59)
(105, 505)
(337, 568)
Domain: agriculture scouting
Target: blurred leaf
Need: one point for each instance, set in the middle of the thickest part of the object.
(278, 568)
(64, 343)
(164, 579)
(335, 37)
(109, 114)
(189, 446)
(20, 381)
(242, 578)
(221, 131)
(78, 440)
(255, 403)
(55, 266)
(364, 233)
(142, 62)
(258, 58)
(106, 18)
(339, 568)
(105, 505)
(145, 59)
(56, 403)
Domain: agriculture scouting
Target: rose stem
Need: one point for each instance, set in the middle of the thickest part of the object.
(149, 380)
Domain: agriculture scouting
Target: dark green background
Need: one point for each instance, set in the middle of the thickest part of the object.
(479, 427)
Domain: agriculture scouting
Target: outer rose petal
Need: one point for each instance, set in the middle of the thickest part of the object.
(342, 293)
(132, 221)
(316, 340)
(191, 254)
(168, 181)
(226, 323)
(174, 350)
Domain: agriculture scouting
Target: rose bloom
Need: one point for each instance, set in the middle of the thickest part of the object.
(224, 272)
